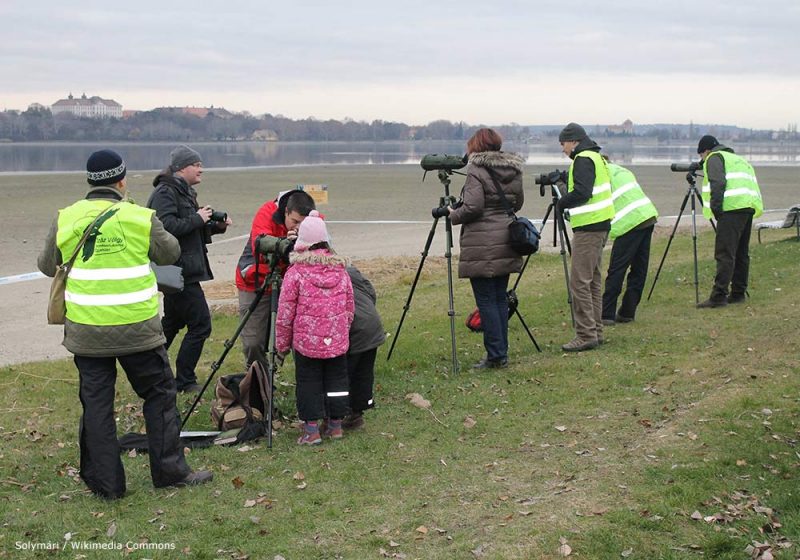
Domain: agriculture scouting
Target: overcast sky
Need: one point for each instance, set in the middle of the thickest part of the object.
(529, 62)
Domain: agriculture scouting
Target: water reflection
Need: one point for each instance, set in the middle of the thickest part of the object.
(51, 157)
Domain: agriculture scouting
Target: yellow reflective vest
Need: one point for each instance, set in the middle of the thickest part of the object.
(111, 282)
(599, 207)
(741, 186)
(631, 205)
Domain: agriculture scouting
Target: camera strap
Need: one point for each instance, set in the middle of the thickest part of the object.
(506, 204)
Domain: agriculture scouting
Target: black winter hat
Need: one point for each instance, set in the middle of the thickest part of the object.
(183, 156)
(573, 132)
(707, 142)
(105, 167)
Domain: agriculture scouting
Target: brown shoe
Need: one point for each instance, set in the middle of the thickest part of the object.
(579, 345)
(353, 421)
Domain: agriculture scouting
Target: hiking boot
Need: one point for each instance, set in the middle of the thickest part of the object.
(353, 421)
(486, 363)
(310, 435)
(195, 478)
(623, 319)
(333, 429)
(712, 303)
(736, 298)
(579, 345)
(609, 322)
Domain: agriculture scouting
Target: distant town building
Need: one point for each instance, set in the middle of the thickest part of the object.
(37, 107)
(625, 128)
(201, 112)
(93, 107)
(128, 113)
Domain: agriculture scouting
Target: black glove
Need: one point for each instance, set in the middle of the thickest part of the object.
(440, 212)
(557, 176)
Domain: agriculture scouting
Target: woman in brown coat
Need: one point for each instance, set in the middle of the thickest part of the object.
(486, 257)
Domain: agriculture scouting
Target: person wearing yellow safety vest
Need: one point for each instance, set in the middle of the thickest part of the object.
(730, 194)
(635, 217)
(589, 208)
(112, 316)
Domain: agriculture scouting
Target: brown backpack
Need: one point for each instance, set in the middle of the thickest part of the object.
(241, 398)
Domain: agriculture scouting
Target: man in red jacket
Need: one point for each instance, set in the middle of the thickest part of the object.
(277, 218)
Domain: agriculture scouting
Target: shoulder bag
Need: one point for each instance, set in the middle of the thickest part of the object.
(523, 235)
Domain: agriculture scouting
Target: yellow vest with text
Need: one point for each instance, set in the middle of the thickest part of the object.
(111, 282)
(599, 207)
(741, 186)
(631, 205)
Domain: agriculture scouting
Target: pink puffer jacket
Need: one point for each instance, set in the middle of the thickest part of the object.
(316, 305)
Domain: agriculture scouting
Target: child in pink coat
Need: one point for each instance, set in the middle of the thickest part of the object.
(314, 314)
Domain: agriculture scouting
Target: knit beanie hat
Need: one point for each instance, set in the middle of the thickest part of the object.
(707, 142)
(105, 168)
(573, 132)
(312, 231)
(183, 156)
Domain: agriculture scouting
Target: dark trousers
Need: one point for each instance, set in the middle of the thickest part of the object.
(151, 377)
(187, 309)
(492, 300)
(732, 253)
(361, 374)
(629, 250)
(321, 385)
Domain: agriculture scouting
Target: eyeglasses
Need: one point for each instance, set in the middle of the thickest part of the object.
(198, 164)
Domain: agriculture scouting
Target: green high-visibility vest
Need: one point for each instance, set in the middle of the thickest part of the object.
(599, 207)
(111, 282)
(741, 186)
(631, 205)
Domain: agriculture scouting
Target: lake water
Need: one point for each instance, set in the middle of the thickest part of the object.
(58, 157)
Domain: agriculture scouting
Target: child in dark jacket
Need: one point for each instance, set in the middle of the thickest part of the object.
(366, 334)
(315, 311)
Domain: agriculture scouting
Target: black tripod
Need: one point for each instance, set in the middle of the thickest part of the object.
(273, 280)
(560, 232)
(444, 178)
(693, 195)
(513, 303)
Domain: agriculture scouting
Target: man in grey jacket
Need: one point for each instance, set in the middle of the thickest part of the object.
(112, 315)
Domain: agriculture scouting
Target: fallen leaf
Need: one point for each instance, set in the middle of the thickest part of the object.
(422, 529)
(393, 544)
(741, 463)
(561, 428)
(627, 552)
(112, 530)
(565, 550)
(302, 486)
(418, 400)
(469, 422)
(237, 482)
(249, 503)
(299, 476)
(697, 516)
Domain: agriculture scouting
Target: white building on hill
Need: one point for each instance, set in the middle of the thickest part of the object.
(94, 107)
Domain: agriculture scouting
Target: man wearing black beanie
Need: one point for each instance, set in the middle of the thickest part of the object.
(589, 208)
(112, 317)
(175, 201)
(730, 194)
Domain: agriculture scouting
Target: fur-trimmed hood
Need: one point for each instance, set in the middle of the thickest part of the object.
(497, 159)
(318, 256)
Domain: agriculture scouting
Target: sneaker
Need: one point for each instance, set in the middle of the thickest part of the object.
(333, 429)
(353, 421)
(195, 478)
(486, 363)
(736, 298)
(191, 388)
(623, 319)
(579, 345)
(712, 303)
(310, 435)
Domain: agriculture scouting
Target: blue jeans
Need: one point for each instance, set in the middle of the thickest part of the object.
(490, 295)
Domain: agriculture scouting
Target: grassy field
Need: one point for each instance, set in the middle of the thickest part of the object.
(676, 439)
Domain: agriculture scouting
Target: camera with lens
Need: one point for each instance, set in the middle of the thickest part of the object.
(686, 167)
(445, 201)
(217, 216)
(550, 179)
(435, 162)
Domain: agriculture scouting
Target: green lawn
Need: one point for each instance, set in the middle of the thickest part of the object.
(676, 439)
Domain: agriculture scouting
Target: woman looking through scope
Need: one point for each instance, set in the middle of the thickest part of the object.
(486, 256)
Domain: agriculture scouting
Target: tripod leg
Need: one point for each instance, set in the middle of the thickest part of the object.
(527, 330)
(451, 310)
(694, 248)
(562, 236)
(413, 286)
(272, 356)
(669, 242)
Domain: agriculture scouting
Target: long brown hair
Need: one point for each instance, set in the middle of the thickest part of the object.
(484, 140)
